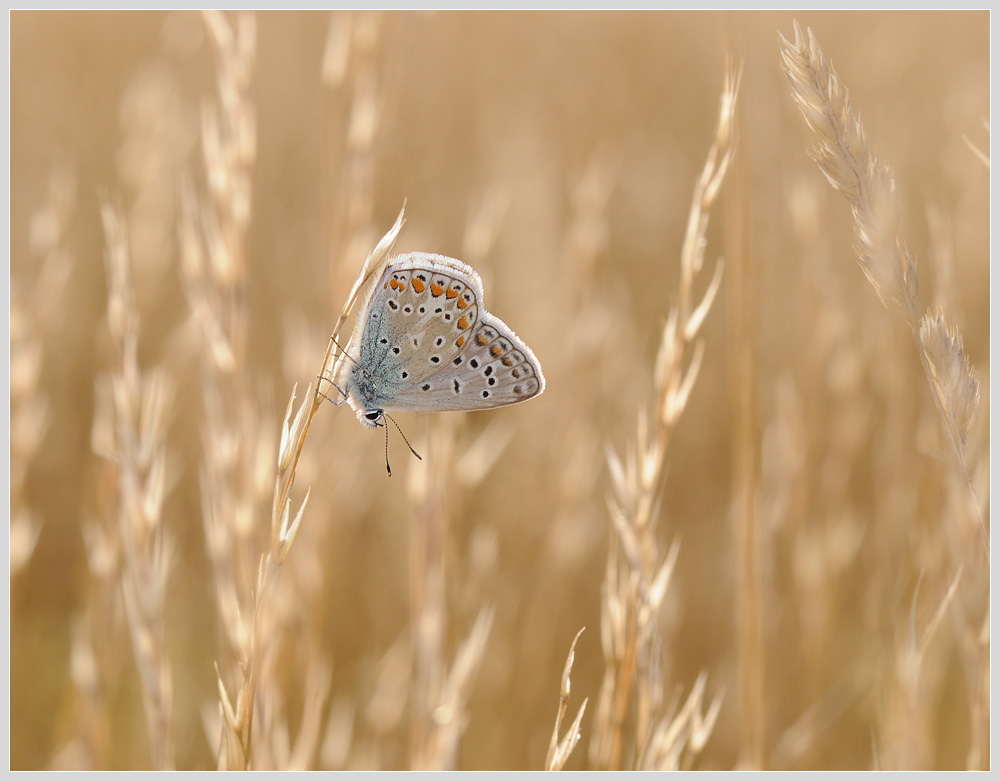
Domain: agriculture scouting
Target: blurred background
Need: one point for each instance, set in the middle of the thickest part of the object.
(254, 161)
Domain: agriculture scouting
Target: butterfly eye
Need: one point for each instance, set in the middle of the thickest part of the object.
(373, 415)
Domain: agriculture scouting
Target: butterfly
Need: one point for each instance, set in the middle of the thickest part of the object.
(424, 342)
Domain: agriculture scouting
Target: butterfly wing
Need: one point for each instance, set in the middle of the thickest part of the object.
(430, 345)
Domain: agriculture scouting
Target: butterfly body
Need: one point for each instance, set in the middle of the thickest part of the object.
(425, 342)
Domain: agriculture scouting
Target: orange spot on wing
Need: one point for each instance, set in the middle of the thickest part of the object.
(451, 293)
(481, 339)
(461, 341)
(463, 322)
(495, 351)
(507, 361)
(418, 286)
(462, 303)
(436, 289)
(393, 284)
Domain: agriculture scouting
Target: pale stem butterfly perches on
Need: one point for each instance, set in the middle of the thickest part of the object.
(424, 342)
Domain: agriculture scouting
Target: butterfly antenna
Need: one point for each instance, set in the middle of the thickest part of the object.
(387, 468)
(403, 436)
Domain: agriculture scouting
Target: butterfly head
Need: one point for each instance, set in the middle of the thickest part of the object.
(370, 418)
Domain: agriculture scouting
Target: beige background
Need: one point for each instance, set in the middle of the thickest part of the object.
(582, 135)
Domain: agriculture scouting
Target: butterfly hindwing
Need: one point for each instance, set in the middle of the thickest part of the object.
(495, 369)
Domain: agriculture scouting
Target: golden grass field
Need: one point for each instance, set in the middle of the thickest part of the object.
(763, 495)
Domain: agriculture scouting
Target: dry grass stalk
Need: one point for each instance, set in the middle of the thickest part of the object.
(335, 359)
(904, 731)
(638, 574)
(560, 749)
(941, 237)
(350, 72)
(298, 603)
(867, 182)
(979, 745)
(902, 736)
(683, 731)
(815, 535)
(443, 720)
(34, 311)
(213, 241)
(217, 289)
(139, 404)
(799, 740)
(239, 717)
(954, 380)
(95, 654)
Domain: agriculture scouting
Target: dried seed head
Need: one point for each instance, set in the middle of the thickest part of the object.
(955, 380)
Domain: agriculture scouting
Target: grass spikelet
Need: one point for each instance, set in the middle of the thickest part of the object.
(560, 749)
(139, 405)
(854, 169)
(637, 573)
(213, 240)
(954, 380)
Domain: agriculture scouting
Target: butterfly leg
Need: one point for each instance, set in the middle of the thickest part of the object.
(323, 378)
(343, 393)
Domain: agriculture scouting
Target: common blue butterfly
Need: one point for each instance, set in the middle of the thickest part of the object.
(424, 342)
